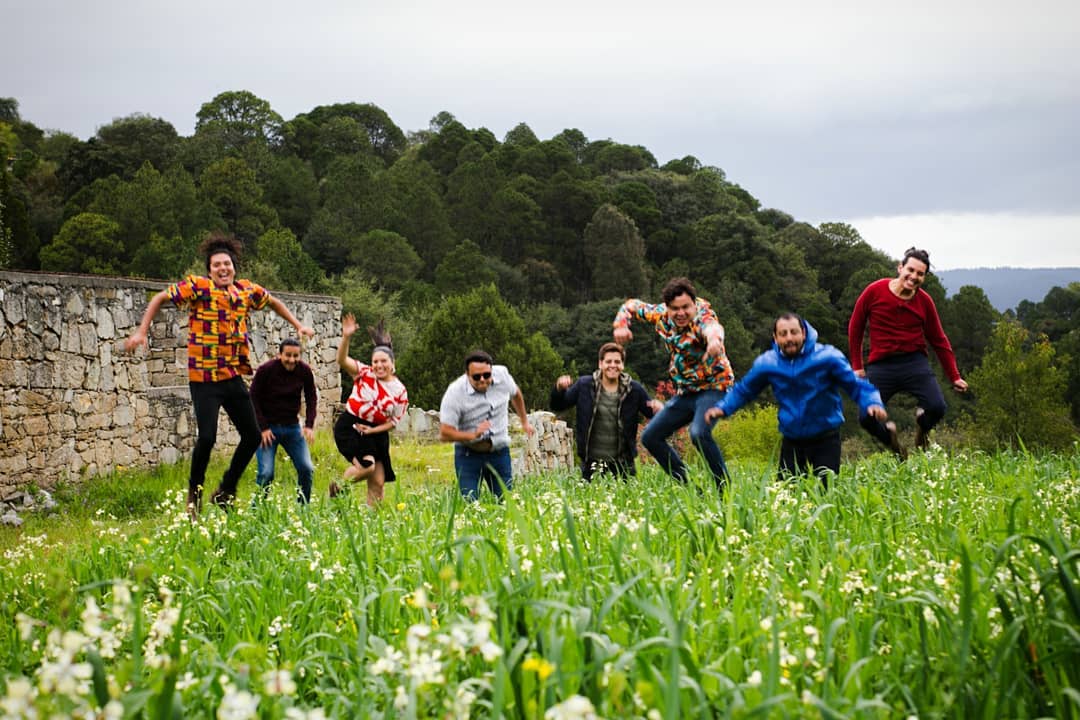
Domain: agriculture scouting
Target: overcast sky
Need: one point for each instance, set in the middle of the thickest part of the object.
(952, 125)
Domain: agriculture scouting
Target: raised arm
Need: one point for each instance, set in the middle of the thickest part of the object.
(346, 363)
(138, 337)
(279, 307)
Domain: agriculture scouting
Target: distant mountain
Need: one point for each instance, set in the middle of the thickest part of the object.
(1007, 286)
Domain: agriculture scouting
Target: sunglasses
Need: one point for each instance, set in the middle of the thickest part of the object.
(481, 376)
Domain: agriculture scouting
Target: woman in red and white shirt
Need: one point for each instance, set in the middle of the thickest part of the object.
(377, 403)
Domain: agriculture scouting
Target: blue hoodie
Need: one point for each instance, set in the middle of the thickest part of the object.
(807, 387)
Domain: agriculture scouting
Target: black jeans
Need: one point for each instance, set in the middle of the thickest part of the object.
(209, 398)
(821, 453)
(910, 373)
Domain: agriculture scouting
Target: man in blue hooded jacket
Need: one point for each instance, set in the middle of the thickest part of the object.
(806, 379)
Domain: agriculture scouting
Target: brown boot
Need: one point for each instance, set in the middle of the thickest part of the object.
(894, 442)
(922, 437)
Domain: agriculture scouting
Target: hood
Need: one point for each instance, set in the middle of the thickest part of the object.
(808, 344)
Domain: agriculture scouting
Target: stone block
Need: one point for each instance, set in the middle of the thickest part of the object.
(74, 307)
(88, 339)
(106, 329)
(35, 425)
(14, 373)
(15, 308)
(41, 375)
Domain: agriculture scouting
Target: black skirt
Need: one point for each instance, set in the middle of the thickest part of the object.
(353, 445)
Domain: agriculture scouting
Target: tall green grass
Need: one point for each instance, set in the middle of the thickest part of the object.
(946, 586)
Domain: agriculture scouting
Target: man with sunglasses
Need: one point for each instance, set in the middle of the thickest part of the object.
(474, 416)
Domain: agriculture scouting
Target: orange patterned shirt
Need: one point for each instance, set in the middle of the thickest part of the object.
(218, 346)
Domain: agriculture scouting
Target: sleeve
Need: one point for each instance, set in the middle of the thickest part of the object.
(643, 399)
(860, 390)
(857, 329)
(311, 399)
(708, 323)
(746, 389)
(183, 292)
(634, 309)
(258, 296)
(565, 399)
(935, 335)
(449, 411)
(258, 387)
(506, 377)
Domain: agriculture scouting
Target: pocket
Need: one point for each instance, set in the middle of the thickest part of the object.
(481, 446)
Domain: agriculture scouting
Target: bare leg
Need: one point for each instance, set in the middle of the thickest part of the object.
(375, 484)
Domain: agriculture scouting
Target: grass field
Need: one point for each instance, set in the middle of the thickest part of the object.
(944, 587)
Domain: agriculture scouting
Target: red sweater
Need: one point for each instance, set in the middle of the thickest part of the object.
(897, 326)
(275, 394)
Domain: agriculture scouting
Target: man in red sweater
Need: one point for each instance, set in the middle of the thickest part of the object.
(275, 395)
(903, 320)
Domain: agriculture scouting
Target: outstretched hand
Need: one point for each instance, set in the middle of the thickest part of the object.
(960, 385)
(563, 382)
(348, 325)
(136, 339)
(877, 412)
(713, 413)
(623, 335)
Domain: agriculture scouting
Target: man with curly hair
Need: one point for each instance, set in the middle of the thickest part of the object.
(218, 357)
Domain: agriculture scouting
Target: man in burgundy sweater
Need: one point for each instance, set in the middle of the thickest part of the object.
(903, 320)
(275, 393)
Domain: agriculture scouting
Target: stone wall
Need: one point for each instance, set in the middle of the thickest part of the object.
(74, 403)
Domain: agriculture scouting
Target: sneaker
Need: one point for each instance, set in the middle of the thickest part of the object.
(894, 441)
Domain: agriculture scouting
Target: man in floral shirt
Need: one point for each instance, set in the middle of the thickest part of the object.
(218, 356)
(699, 369)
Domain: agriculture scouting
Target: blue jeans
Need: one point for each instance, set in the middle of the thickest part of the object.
(473, 468)
(291, 438)
(678, 412)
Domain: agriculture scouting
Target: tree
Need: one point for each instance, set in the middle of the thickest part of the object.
(235, 118)
(1018, 391)
(234, 124)
(281, 263)
(386, 257)
(462, 269)
(385, 139)
(615, 254)
(87, 243)
(292, 190)
(477, 319)
(969, 319)
(686, 166)
(126, 143)
(231, 186)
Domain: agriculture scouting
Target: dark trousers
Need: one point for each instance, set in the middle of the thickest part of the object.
(616, 468)
(818, 455)
(209, 398)
(909, 373)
